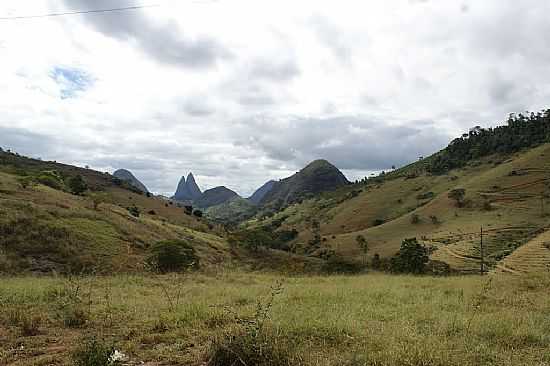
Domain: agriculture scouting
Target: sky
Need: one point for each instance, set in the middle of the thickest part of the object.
(242, 91)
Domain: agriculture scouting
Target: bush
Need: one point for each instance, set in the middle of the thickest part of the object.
(77, 185)
(378, 222)
(50, 181)
(458, 196)
(93, 352)
(134, 211)
(188, 210)
(197, 213)
(173, 256)
(434, 219)
(415, 219)
(412, 258)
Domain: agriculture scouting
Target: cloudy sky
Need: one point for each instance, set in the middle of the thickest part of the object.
(239, 92)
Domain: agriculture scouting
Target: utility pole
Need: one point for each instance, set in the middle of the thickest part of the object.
(481, 250)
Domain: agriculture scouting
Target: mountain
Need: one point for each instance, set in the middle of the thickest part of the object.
(316, 177)
(215, 196)
(192, 187)
(127, 176)
(261, 192)
(187, 190)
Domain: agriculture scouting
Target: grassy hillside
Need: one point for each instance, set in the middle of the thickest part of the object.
(359, 320)
(507, 194)
(47, 229)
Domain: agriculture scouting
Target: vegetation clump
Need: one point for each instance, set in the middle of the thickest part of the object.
(412, 258)
(172, 256)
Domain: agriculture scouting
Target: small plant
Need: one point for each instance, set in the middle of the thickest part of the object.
(434, 219)
(378, 222)
(30, 325)
(95, 352)
(415, 219)
(487, 205)
(252, 342)
(197, 213)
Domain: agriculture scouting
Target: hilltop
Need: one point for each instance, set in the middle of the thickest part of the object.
(318, 176)
(128, 177)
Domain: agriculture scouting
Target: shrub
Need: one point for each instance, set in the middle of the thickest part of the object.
(134, 211)
(30, 325)
(93, 352)
(458, 196)
(487, 205)
(26, 182)
(434, 219)
(77, 185)
(415, 219)
(50, 181)
(172, 256)
(378, 222)
(412, 257)
(188, 210)
(376, 263)
(197, 213)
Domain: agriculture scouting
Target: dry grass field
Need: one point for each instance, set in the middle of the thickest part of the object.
(372, 319)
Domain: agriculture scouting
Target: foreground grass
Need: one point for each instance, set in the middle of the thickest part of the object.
(339, 320)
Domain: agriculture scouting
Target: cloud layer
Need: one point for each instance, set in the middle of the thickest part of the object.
(240, 92)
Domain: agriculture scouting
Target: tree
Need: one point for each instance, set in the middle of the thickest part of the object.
(188, 209)
(376, 262)
(412, 257)
(172, 256)
(363, 245)
(458, 196)
(77, 185)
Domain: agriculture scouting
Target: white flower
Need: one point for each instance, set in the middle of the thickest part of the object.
(117, 356)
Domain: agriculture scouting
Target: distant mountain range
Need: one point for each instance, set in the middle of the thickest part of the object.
(128, 177)
(224, 204)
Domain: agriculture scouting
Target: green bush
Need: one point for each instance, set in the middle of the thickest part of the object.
(412, 258)
(77, 185)
(50, 181)
(172, 256)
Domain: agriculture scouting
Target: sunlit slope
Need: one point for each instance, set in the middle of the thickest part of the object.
(45, 229)
(534, 256)
(504, 194)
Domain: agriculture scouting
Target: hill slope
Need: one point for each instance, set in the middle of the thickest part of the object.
(260, 193)
(45, 229)
(505, 194)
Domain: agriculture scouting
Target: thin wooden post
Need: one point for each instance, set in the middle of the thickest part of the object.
(481, 251)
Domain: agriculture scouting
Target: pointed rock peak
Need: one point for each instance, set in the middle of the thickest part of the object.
(182, 180)
(193, 187)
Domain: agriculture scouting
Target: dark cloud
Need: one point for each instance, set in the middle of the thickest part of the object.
(349, 142)
(163, 42)
(26, 142)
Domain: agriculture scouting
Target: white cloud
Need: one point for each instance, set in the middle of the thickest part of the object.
(243, 91)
